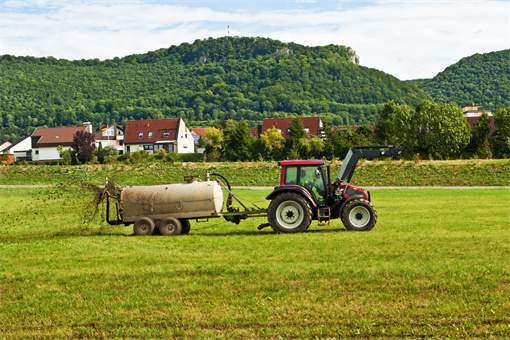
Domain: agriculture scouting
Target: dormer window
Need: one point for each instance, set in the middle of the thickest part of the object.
(150, 134)
(166, 133)
(57, 137)
(140, 135)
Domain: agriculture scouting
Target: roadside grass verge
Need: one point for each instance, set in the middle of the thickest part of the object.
(434, 266)
(368, 173)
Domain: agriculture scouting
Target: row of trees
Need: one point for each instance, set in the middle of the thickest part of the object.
(441, 130)
(432, 130)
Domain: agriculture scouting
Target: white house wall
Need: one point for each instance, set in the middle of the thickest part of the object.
(46, 154)
(21, 149)
(185, 141)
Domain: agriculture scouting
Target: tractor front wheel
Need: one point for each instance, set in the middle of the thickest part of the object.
(289, 213)
(359, 214)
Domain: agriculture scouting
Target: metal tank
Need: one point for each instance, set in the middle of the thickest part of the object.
(187, 200)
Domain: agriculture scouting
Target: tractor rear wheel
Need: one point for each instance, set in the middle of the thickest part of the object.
(289, 213)
(359, 214)
(144, 226)
(170, 226)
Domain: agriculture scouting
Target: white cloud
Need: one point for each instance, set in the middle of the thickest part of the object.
(409, 39)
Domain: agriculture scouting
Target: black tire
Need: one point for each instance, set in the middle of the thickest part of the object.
(144, 226)
(359, 214)
(170, 226)
(289, 212)
(186, 226)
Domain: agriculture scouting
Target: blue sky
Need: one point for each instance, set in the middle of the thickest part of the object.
(408, 39)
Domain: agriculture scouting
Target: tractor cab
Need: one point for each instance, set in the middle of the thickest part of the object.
(312, 175)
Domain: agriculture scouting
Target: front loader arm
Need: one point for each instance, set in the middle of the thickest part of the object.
(370, 152)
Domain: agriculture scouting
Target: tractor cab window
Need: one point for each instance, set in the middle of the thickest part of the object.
(309, 177)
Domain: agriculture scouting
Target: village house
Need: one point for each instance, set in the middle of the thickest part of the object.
(110, 135)
(20, 151)
(473, 113)
(171, 135)
(45, 141)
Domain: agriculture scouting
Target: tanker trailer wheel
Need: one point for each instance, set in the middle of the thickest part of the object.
(144, 226)
(359, 214)
(289, 213)
(170, 226)
(186, 226)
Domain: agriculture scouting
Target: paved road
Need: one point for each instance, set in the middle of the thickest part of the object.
(375, 188)
(271, 188)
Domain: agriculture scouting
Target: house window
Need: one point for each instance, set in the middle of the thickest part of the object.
(307, 130)
(109, 132)
(36, 152)
(150, 134)
(279, 130)
(140, 135)
(148, 147)
(166, 133)
(185, 146)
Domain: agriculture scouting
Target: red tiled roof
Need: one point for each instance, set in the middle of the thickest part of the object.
(255, 131)
(198, 131)
(151, 130)
(282, 124)
(48, 137)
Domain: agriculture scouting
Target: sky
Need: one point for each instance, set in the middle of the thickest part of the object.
(409, 39)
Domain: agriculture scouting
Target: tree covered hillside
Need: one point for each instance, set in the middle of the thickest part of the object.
(481, 79)
(225, 78)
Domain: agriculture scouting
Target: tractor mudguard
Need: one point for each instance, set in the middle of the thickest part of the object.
(293, 188)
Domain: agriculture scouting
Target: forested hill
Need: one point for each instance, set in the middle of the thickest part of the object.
(230, 77)
(481, 79)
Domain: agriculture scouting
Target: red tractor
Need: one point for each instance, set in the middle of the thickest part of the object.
(307, 193)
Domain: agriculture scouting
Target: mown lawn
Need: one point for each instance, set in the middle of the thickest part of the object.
(435, 265)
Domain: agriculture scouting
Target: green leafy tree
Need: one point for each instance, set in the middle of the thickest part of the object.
(296, 129)
(443, 129)
(237, 141)
(479, 143)
(501, 144)
(396, 125)
(273, 143)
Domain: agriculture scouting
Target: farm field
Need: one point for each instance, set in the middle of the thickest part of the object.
(435, 266)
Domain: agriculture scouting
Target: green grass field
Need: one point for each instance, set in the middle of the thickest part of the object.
(434, 266)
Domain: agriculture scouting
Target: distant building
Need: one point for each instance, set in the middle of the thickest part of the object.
(197, 133)
(171, 135)
(474, 111)
(45, 141)
(20, 151)
(112, 134)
